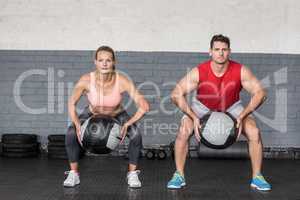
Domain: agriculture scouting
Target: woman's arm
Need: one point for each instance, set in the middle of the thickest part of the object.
(80, 87)
(137, 97)
(140, 101)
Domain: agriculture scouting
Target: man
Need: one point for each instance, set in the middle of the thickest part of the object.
(218, 83)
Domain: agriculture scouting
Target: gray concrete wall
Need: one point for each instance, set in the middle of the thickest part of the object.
(34, 87)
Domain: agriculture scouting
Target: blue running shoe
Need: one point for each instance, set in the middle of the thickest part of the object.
(259, 183)
(176, 182)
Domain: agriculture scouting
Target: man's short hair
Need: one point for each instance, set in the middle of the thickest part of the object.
(219, 38)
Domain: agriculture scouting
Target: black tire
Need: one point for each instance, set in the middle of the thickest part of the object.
(20, 146)
(56, 148)
(20, 154)
(57, 144)
(20, 150)
(56, 138)
(56, 151)
(19, 138)
(34, 147)
(58, 156)
(61, 154)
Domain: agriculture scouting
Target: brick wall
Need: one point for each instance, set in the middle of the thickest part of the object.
(49, 77)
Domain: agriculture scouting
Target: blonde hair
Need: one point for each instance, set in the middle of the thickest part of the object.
(106, 49)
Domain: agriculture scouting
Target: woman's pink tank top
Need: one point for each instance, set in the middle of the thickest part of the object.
(97, 98)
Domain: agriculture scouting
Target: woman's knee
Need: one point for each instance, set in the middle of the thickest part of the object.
(71, 136)
(135, 135)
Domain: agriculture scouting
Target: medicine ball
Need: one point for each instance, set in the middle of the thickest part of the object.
(218, 130)
(100, 135)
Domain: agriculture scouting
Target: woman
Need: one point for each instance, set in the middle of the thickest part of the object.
(103, 88)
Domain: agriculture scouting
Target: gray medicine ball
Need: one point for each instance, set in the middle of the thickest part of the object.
(218, 130)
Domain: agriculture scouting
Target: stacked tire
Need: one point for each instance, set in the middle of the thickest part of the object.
(20, 145)
(56, 147)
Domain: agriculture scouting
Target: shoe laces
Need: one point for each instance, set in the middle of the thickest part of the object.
(177, 176)
(261, 178)
(71, 175)
(133, 174)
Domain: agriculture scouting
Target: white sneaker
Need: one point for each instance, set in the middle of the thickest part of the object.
(72, 179)
(133, 179)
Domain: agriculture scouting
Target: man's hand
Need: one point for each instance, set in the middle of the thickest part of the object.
(197, 127)
(239, 125)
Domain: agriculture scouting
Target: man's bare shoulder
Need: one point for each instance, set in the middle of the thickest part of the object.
(246, 73)
(193, 75)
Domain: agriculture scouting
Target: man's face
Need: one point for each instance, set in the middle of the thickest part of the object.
(219, 52)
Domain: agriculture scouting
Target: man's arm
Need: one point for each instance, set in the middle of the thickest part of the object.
(187, 84)
(254, 88)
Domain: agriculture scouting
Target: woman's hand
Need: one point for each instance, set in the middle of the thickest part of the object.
(124, 131)
(78, 133)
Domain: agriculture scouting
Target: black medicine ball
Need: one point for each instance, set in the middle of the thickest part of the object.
(218, 130)
(95, 133)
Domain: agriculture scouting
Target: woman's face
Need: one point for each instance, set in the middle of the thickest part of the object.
(104, 62)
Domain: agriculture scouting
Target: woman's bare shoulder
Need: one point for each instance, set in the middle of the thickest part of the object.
(84, 80)
(123, 79)
(86, 77)
(124, 82)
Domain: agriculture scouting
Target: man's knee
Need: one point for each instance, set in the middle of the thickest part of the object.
(251, 130)
(185, 130)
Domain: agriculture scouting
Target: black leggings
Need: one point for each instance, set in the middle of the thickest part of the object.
(74, 149)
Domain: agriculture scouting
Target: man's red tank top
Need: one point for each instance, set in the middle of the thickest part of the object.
(219, 93)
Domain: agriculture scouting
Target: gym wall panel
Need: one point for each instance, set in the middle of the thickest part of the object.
(51, 75)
